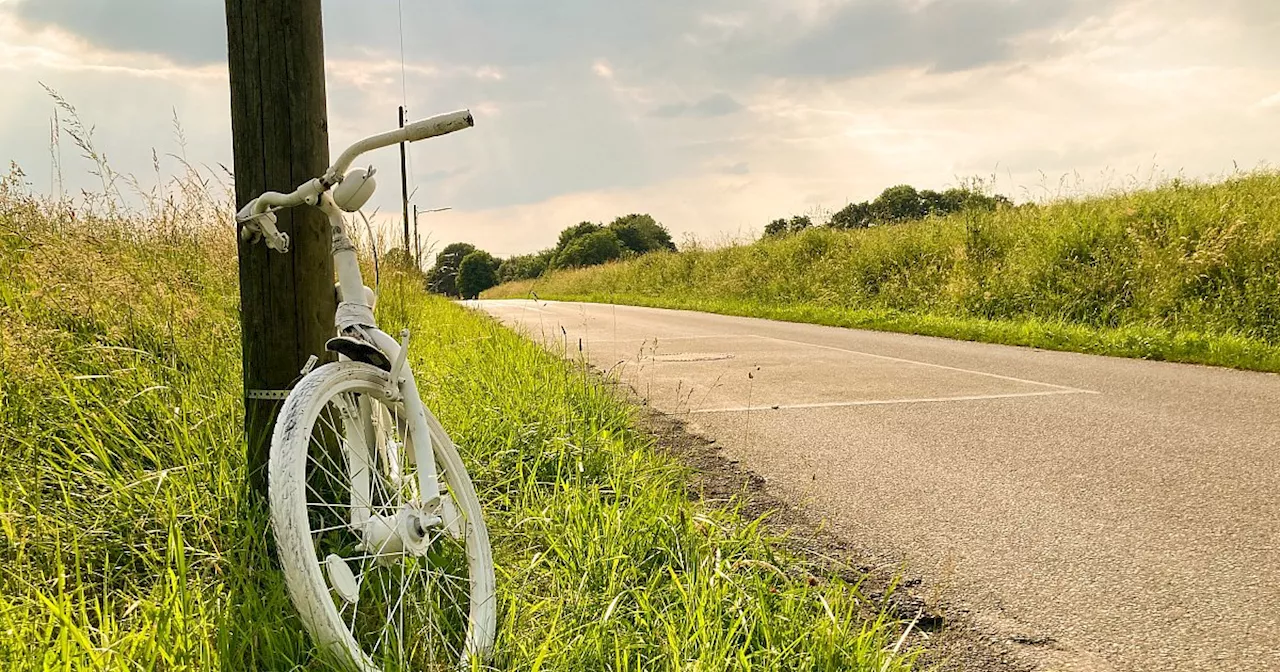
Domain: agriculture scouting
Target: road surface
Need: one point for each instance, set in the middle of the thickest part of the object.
(1109, 514)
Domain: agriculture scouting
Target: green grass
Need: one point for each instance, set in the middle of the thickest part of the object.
(1183, 272)
(127, 541)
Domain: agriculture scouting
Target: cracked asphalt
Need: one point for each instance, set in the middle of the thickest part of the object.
(1096, 513)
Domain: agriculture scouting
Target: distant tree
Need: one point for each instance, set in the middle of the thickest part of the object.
(937, 204)
(477, 272)
(442, 278)
(593, 248)
(775, 228)
(576, 231)
(959, 199)
(853, 216)
(779, 227)
(525, 266)
(641, 234)
(903, 203)
(899, 204)
(397, 258)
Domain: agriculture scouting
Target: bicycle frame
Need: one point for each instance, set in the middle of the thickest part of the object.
(352, 290)
(257, 218)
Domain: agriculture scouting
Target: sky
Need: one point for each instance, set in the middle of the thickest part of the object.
(714, 116)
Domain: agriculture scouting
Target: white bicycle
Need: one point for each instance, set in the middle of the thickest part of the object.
(376, 522)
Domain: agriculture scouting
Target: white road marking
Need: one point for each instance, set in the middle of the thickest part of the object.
(659, 339)
(520, 304)
(1063, 388)
(886, 402)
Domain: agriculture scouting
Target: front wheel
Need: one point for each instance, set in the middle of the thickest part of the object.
(381, 579)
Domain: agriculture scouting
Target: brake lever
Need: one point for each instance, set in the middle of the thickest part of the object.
(263, 226)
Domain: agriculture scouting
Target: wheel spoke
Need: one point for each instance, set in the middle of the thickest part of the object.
(425, 604)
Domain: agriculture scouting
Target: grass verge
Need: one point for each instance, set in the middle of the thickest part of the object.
(126, 541)
(1184, 272)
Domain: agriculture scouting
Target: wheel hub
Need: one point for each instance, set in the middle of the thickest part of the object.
(407, 532)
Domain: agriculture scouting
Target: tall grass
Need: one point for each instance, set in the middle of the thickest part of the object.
(127, 541)
(1187, 272)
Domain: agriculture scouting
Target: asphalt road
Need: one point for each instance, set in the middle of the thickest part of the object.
(1108, 514)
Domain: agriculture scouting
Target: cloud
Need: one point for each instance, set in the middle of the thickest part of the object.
(188, 32)
(715, 105)
(858, 38)
(442, 174)
(1270, 102)
(742, 40)
(599, 108)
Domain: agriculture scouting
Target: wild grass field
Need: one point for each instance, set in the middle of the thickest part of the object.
(1184, 272)
(128, 542)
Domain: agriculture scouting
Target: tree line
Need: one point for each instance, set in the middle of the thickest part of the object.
(901, 203)
(463, 270)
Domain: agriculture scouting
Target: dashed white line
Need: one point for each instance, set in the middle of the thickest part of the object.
(886, 402)
(1064, 388)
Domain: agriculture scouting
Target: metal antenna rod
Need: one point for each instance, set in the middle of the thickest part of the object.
(404, 191)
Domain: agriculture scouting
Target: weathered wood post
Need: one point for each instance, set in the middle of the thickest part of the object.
(280, 138)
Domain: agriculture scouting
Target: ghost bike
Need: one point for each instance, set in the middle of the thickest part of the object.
(377, 525)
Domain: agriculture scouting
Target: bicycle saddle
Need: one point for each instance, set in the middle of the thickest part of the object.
(358, 350)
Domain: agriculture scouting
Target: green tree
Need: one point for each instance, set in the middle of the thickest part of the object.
(477, 272)
(958, 199)
(641, 233)
(525, 266)
(853, 216)
(899, 204)
(779, 227)
(904, 202)
(576, 231)
(937, 204)
(593, 248)
(443, 277)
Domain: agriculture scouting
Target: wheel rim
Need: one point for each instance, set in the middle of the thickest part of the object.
(413, 608)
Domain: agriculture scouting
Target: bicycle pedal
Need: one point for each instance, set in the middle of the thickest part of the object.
(341, 579)
(357, 350)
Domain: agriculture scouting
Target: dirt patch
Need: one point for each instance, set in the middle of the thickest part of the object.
(952, 641)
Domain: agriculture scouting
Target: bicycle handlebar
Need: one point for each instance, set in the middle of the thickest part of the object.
(431, 127)
(310, 191)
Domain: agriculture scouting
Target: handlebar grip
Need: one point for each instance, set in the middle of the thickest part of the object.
(439, 125)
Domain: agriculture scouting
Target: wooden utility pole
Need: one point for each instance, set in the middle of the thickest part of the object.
(280, 138)
(404, 193)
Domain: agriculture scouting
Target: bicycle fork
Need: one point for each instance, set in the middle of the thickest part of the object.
(397, 533)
